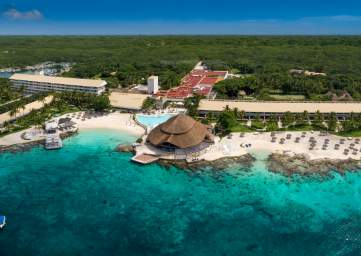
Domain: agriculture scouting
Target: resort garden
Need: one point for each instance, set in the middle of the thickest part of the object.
(233, 120)
(64, 102)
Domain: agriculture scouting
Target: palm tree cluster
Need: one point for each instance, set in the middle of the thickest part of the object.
(83, 101)
(231, 118)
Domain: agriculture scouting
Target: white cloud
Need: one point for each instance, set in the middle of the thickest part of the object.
(346, 18)
(14, 14)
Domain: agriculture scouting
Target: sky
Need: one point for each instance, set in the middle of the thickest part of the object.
(134, 17)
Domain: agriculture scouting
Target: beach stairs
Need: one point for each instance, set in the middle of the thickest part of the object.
(145, 159)
(2, 221)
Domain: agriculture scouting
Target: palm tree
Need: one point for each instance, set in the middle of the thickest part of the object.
(242, 114)
(306, 116)
(14, 111)
(236, 113)
(332, 122)
(287, 119)
(318, 119)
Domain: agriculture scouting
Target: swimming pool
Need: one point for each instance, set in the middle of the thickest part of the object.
(153, 120)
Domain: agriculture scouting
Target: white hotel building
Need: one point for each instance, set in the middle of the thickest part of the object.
(38, 83)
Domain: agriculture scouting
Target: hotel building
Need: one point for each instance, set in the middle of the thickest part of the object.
(38, 83)
(266, 109)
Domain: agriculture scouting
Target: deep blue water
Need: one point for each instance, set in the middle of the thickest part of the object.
(87, 199)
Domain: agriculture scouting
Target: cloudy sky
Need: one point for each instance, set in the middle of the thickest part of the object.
(180, 17)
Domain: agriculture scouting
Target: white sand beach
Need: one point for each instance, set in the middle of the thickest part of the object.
(16, 138)
(325, 146)
(313, 145)
(116, 121)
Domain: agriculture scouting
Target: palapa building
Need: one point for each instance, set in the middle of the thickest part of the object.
(181, 134)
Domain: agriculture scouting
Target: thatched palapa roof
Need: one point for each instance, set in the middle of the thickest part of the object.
(180, 131)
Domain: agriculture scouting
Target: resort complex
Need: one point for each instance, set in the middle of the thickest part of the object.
(188, 122)
(40, 83)
(189, 145)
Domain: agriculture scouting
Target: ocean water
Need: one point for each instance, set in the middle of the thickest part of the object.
(87, 199)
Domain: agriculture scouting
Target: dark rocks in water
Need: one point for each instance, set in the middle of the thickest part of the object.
(125, 148)
(300, 164)
(29, 145)
(251, 247)
(20, 147)
(244, 161)
(66, 135)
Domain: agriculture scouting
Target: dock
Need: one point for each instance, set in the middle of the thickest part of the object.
(145, 159)
(53, 141)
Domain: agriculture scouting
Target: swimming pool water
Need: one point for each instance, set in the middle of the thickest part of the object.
(153, 120)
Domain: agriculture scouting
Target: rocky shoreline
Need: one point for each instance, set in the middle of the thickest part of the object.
(278, 163)
(244, 161)
(18, 148)
(300, 164)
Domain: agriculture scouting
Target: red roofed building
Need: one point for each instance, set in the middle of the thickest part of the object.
(199, 82)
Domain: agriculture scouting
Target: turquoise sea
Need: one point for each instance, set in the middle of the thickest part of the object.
(87, 199)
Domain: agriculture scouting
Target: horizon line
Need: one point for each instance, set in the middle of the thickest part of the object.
(249, 35)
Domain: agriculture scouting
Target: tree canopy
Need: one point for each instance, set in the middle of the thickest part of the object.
(125, 60)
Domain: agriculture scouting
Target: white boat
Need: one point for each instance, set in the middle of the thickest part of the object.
(2, 221)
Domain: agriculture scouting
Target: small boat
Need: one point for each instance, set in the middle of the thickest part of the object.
(2, 221)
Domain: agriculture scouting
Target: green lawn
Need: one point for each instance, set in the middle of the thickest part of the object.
(288, 97)
(258, 125)
(350, 134)
(301, 128)
(241, 128)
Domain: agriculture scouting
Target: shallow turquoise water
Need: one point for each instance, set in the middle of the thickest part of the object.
(153, 120)
(87, 199)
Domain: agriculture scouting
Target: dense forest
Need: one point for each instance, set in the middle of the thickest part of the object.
(130, 59)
